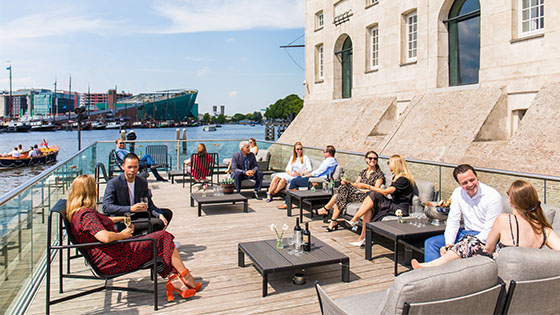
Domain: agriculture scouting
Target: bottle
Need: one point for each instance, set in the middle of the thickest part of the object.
(331, 185)
(298, 236)
(306, 238)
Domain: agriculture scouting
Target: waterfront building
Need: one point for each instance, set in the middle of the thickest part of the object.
(176, 105)
(64, 102)
(99, 101)
(442, 80)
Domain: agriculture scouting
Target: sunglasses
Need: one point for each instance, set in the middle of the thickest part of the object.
(299, 149)
(371, 158)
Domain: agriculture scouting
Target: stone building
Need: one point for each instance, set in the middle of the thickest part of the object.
(440, 80)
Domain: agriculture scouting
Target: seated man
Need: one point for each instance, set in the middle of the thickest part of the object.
(36, 149)
(123, 194)
(478, 205)
(244, 165)
(326, 169)
(32, 153)
(145, 162)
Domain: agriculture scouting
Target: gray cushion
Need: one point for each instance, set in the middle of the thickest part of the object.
(519, 263)
(315, 164)
(457, 278)
(365, 303)
(424, 190)
(263, 155)
(549, 212)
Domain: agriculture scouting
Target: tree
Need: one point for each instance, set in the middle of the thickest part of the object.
(206, 117)
(237, 117)
(221, 119)
(257, 116)
(282, 108)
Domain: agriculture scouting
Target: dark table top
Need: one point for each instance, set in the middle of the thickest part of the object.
(308, 193)
(211, 198)
(400, 230)
(269, 258)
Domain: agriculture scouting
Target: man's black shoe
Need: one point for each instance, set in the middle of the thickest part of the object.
(256, 195)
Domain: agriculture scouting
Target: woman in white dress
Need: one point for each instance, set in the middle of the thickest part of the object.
(298, 165)
(253, 147)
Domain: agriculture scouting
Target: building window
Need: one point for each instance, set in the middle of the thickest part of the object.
(532, 15)
(319, 20)
(319, 59)
(373, 60)
(371, 2)
(411, 37)
(464, 42)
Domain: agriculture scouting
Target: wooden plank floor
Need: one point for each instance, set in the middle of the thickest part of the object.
(208, 245)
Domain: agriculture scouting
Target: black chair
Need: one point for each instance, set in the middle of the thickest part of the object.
(114, 164)
(155, 264)
(161, 157)
(100, 174)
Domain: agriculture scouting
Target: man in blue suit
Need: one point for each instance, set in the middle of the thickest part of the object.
(244, 165)
(123, 194)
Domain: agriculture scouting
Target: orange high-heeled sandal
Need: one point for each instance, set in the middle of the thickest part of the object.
(170, 288)
(197, 285)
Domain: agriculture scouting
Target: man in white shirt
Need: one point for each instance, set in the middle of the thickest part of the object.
(478, 204)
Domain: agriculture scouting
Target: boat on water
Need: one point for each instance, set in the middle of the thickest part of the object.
(138, 125)
(209, 128)
(19, 126)
(114, 125)
(98, 125)
(43, 125)
(49, 156)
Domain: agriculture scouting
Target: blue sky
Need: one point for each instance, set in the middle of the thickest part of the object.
(227, 49)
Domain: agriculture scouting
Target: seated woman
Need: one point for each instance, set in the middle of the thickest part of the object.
(376, 205)
(199, 166)
(348, 192)
(253, 147)
(526, 227)
(298, 165)
(88, 226)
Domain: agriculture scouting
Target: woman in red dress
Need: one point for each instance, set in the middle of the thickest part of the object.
(89, 226)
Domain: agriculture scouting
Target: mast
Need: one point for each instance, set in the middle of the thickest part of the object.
(55, 110)
(10, 102)
(70, 95)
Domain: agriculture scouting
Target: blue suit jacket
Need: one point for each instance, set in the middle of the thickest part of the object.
(116, 200)
(237, 162)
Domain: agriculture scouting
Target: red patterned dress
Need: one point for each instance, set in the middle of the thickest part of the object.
(121, 257)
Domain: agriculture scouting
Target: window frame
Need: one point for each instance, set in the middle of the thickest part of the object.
(530, 21)
(373, 47)
(411, 53)
(319, 20)
(320, 63)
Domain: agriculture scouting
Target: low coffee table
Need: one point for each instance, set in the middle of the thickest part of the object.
(210, 198)
(302, 195)
(398, 232)
(267, 258)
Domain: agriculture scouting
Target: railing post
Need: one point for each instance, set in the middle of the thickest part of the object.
(544, 201)
(440, 196)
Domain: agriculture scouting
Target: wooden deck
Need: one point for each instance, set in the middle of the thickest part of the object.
(208, 245)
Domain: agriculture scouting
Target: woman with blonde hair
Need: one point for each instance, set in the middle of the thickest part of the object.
(253, 147)
(89, 226)
(298, 165)
(376, 205)
(527, 226)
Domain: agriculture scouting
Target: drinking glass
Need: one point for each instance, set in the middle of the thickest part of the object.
(412, 215)
(144, 200)
(422, 216)
(325, 186)
(127, 219)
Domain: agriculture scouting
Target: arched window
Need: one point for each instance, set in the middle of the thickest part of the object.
(347, 68)
(464, 42)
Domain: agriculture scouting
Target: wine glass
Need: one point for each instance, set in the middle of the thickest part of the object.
(127, 219)
(144, 200)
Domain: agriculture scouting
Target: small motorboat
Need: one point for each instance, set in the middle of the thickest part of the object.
(209, 128)
(43, 125)
(98, 125)
(49, 156)
(114, 125)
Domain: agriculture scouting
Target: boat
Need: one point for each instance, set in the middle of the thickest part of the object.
(49, 156)
(43, 125)
(209, 128)
(114, 125)
(98, 125)
(218, 126)
(138, 125)
(18, 127)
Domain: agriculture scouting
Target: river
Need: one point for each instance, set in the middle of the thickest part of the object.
(67, 141)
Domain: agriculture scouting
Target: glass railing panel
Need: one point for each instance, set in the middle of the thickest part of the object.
(23, 230)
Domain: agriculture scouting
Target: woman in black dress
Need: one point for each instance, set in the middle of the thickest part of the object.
(376, 205)
(348, 192)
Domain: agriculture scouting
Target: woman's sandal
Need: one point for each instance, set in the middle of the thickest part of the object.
(334, 228)
(268, 197)
(197, 285)
(170, 288)
(325, 216)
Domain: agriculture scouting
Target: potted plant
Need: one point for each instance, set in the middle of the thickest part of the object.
(227, 185)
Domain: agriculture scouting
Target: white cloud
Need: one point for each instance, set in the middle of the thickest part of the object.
(233, 93)
(202, 72)
(189, 16)
(53, 23)
(230, 40)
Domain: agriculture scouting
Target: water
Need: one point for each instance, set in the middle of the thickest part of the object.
(67, 141)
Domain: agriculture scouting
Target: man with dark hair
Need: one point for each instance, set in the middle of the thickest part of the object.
(244, 165)
(325, 170)
(123, 195)
(478, 205)
(146, 162)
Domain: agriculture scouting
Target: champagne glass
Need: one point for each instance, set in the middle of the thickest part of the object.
(127, 219)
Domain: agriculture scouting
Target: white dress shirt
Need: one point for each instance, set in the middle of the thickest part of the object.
(478, 212)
